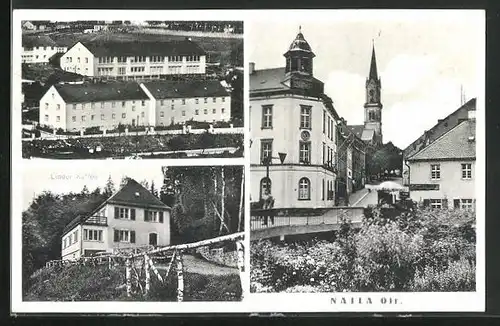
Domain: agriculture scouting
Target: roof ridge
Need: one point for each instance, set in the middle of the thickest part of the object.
(439, 122)
(437, 139)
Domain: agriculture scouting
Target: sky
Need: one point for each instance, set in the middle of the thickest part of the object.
(65, 178)
(424, 60)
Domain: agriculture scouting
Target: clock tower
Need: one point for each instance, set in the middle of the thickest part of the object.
(299, 67)
(373, 104)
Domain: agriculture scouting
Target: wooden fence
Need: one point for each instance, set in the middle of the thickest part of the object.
(139, 264)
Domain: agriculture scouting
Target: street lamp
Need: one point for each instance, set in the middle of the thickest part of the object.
(268, 160)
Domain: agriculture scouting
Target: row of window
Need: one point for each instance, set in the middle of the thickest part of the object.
(196, 112)
(122, 59)
(71, 239)
(93, 104)
(45, 48)
(305, 117)
(70, 60)
(266, 150)
(197, 100)
(443, 203)
(129, 214)
(304, 188)
(466, 171)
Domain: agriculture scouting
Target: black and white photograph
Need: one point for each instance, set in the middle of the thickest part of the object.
(363, 153)
(165, 233)
(122, 89)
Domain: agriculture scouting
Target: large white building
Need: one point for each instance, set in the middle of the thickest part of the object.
(182, 101)
(128, 60)
(74, 107)
(289, 115)
(81, 106)
(39, 49)
(132, 217)
(442, 174)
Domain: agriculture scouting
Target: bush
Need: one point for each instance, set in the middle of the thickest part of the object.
(93, 131)
(420, 250)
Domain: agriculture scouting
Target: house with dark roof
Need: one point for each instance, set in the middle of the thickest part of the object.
(441, 127)
(132, 217)
(75, 107)
(181, 101)
(138, 59)
(39, 48)
(443, 174)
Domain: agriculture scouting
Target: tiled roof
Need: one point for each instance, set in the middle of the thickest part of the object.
(185, 89)
(31, 41)
(357, 129)
(134, 193)
(440, 128)
(100, 92)
(267, 79)
(458, 143)
(270, 80)
(144, 48)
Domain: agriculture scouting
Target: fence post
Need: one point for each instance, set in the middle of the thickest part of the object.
(127, 273)
(148, 276)
(180, 278)
(109, 262)
(240, 248)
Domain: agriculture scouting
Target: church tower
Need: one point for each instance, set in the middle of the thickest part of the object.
(373, 104)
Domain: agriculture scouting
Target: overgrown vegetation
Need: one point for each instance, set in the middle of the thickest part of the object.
(99, 283)
(421, 250)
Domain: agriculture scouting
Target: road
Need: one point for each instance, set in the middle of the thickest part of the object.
(364, 198)
(197, 265)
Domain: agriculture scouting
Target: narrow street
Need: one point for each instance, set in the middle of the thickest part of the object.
(364, 197)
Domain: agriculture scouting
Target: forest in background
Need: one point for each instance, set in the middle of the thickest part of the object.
(193, 193)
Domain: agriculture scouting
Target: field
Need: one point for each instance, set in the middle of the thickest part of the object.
(218, 49)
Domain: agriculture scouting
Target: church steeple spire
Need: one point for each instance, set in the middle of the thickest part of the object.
(373, 66)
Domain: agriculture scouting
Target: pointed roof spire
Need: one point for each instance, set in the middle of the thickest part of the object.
(300, 29)
(373, 65)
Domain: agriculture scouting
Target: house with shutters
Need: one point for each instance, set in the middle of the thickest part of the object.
(442, 174)
(132, 217)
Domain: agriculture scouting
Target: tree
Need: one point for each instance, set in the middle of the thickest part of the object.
(388, 157)
(85, 191)
(123, 181)
(109, 188)
(145, 183)
(153, 190)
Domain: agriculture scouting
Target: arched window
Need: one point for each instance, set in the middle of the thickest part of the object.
(265, 184)
(304, 189)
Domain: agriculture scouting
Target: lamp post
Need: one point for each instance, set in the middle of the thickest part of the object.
(268, 160)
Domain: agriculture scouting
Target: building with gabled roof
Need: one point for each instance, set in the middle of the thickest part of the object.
(132, 217)
(39, 49)
(188, 100)
(442, 175)
(74, 107)
(106, 105)
(429, 136)
(137, 59)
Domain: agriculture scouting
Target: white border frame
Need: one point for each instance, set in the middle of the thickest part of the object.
(319, 302)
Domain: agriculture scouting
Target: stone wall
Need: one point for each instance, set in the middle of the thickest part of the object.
(219, 256)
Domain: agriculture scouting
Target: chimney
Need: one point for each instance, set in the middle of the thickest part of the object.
(251, 67)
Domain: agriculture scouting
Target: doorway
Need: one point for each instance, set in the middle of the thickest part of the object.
(153, 239)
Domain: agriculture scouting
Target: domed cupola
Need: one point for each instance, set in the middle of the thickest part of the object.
(299, 56)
